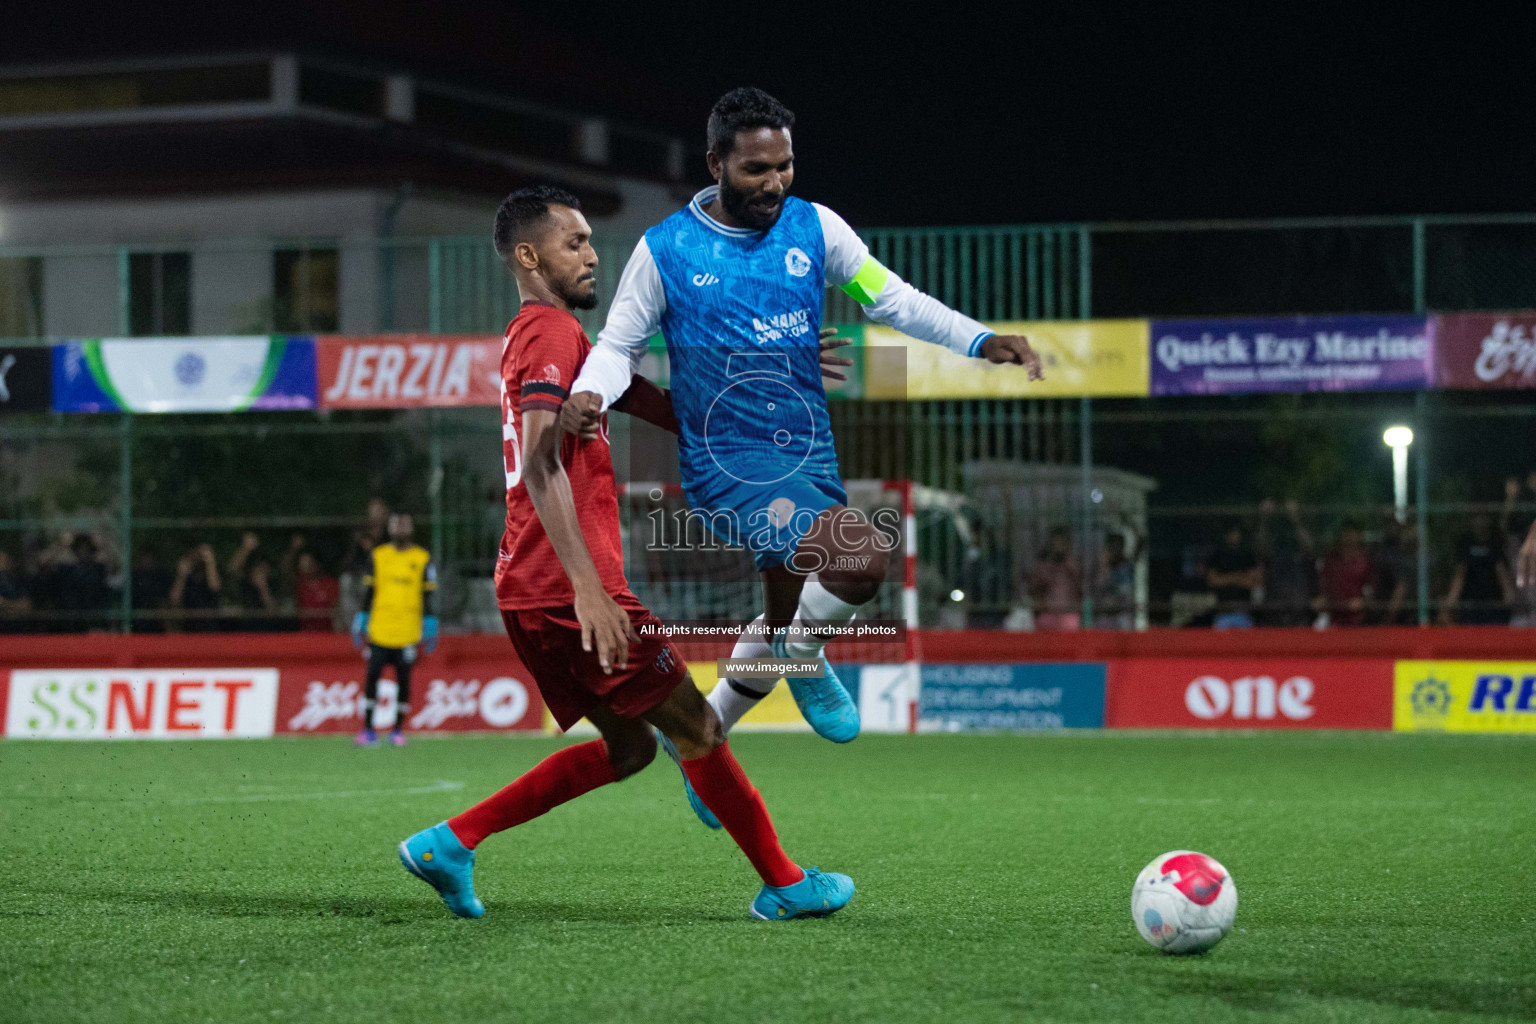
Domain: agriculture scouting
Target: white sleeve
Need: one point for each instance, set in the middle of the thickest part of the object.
(889, 300)
(633, 319)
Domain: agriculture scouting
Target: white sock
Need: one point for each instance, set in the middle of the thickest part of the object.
(734, 696)
(819, 608)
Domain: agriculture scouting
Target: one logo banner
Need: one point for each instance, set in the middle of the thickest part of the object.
(1335, 353)
(184, 703)
(1046, 696)
(1080, 357)
(184, 374)
(26, 379)
(1465, 696)
(1249, 693)
(409, 371)
(1485, 350)
(473, 697)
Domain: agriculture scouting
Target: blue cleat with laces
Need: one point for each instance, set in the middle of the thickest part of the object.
(818, 894)
(436, 856)
(824, 702)
(705, 814)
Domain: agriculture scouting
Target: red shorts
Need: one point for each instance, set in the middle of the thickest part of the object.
(570, 679)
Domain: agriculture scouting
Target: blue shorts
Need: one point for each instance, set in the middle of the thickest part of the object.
(769, 519)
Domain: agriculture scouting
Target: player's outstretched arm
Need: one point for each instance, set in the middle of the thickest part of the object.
(889, 300)
(605, 626)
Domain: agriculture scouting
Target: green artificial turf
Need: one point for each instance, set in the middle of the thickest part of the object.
(1380, 878)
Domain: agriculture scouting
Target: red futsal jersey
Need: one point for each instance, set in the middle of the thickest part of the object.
(540, 357)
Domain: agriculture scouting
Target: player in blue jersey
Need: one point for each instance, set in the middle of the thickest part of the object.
(735, 282)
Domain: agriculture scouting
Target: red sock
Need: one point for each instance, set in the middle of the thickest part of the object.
(563, 775)
(725, 789)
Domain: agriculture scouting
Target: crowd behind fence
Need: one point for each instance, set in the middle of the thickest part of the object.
(1036, 513)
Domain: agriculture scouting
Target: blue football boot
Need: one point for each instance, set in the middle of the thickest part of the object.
(706, 815)
(824, 702)
(818, 894)
(436, 856)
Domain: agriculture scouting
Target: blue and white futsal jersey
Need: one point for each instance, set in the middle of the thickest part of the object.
(741, 310)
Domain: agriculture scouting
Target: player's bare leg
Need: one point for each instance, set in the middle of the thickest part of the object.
(688, 721)
(848, 557)
(444, 855)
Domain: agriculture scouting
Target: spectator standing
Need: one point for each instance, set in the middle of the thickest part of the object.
(84, 585)
(1232, 575)
(1114, 603)
(1398, 572)
(196, 590)
(1514, 525)
(1482, 587)
(315, 594)
(1348, 579)
(258, 605)
(359, 561)
(151, 593)
(15, 596)
(1056, 584)
(1289, 557)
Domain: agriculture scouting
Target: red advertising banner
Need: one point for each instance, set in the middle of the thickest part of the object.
(1485, 350)
(406, 371)
(466, 696)
(1249, 693)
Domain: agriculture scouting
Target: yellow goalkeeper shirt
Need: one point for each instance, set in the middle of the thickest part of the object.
(400, 581)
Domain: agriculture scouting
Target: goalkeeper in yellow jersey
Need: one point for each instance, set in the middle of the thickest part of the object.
(398, 599)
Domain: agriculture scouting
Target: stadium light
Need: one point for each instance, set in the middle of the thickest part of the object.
(957, 595)
(1398, 439)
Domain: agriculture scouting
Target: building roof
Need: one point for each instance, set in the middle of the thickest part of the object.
(282, 153)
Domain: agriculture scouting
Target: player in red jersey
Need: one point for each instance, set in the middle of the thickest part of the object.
(592, 647)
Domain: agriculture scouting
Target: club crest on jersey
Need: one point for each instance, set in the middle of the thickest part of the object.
(797, 263)
(664, 660)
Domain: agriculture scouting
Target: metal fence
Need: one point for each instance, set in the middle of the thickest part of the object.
(1144, 491)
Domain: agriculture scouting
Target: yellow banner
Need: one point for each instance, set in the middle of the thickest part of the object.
(1464, 696)
(1096, 358)
(774, 712)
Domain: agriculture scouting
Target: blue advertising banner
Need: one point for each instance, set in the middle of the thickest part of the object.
(1318, 353)
(1054, 696)
(185, 374)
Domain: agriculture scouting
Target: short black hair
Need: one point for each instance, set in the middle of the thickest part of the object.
(525, 209)
(742, 110)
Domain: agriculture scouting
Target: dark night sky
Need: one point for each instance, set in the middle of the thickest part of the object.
(956, 114)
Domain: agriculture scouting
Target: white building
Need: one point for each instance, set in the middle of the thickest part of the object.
(274, 192)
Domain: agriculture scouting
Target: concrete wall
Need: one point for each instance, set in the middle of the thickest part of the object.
(231, 238)
(231, 291)
(80, 296)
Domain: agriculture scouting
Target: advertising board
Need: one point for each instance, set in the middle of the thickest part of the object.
(1249, 693)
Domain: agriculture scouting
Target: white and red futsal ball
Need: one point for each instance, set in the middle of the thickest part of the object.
(1184, 902)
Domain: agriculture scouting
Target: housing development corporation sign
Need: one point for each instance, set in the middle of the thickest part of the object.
(1338, 353)
(1032, 696)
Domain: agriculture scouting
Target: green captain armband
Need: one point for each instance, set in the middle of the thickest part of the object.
(868, 283)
